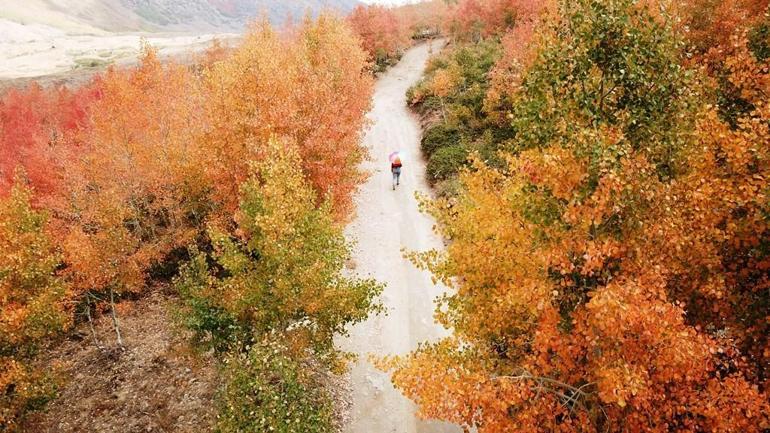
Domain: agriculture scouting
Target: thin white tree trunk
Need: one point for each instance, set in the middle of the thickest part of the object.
(115, 317)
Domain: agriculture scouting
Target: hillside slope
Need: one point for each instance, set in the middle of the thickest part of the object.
(62, 39)
(98, 16)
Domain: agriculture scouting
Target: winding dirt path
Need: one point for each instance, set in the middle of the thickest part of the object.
(386, 222)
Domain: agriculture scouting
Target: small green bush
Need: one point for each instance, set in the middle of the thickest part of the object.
(440, 61)
(438, 136)
(384, 60)
(213, 327)
(446, 162)
(268, 391)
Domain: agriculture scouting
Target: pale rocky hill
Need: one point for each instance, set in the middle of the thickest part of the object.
(64, 39)
(97, 16)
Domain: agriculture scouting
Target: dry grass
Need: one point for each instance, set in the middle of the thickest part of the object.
(154, 384)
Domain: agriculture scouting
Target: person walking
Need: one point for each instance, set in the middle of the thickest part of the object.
(395, 168)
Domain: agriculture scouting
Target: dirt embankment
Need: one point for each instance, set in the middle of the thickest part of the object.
(156, 384)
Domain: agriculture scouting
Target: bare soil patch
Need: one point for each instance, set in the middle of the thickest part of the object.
(156, 383)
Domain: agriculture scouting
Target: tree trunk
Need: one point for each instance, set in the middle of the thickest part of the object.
(91, 322)
(115, 317)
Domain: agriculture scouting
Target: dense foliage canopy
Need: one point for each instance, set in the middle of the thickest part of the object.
(248, 159)
(31, 307)
(609, 242)
(603, 175)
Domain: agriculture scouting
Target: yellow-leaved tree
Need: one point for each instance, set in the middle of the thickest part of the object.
(273, 296)
(31, 303)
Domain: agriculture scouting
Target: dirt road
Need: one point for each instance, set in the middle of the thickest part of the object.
(386, 222)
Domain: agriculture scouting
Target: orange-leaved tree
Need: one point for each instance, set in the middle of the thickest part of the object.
(612, 276)
(474, 19)
(710, 25)
(709, 28)
(383, 35)
(136, 190)
(424, 19)
(310, 86)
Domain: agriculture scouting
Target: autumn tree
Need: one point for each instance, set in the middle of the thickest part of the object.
(612, 275)
(31, 302)
(518, 51)
(728, 189)
(710, 25)
(424, 19)
(383, 35)
(709, 28)
(155, 152)
(166, 151)
(282, 272)
(145, 162)
(476, 19)
(310, 86)
(272, 297)
(136, 190)
(37, 126)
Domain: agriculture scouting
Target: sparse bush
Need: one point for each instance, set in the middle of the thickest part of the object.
(454, 90)
(213, 327)
(268, 390)
(447, 188)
